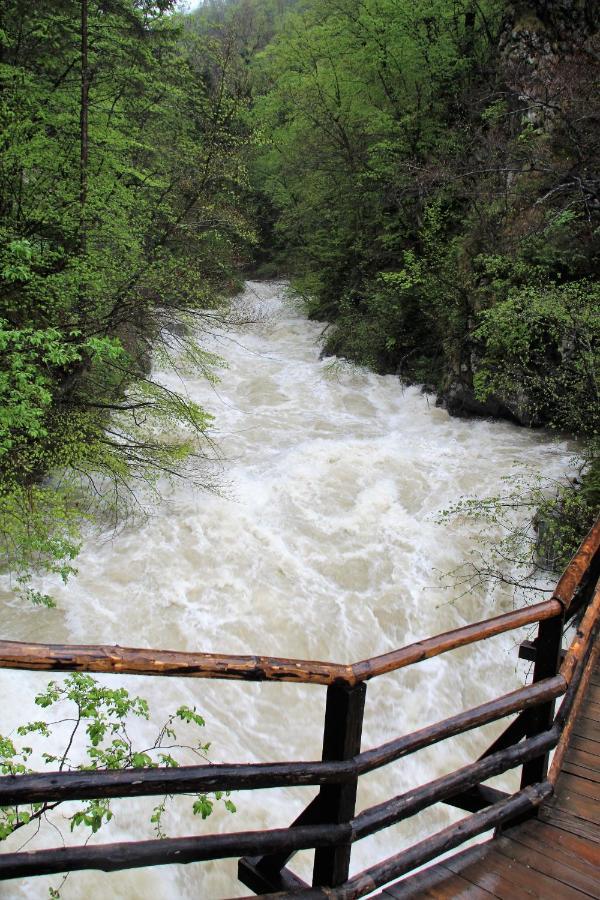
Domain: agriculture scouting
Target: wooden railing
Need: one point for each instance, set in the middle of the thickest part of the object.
(330, 824)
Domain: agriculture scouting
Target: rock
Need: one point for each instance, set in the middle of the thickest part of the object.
(460, 400)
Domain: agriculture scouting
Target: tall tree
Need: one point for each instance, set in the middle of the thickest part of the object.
(120, 212)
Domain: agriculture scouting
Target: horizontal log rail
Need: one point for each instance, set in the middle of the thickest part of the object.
(137, 661)
(398, 808)
(162, 851)
(330, 824)
(458, 637)
(87, 785)
(125, 855)
(524, 802)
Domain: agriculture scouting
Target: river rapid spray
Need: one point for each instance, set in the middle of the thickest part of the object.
(324, 546)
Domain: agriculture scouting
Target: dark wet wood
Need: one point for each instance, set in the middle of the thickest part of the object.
(88, 785)
(441, 789)
(521, 699)
(85, 785)
(428, 882)
(493, 875)
(263, 868)
(128, 855)
(547, 661)
(262, 880)
(573, 845)
(557, 854)
(476, 798)
(341, 740)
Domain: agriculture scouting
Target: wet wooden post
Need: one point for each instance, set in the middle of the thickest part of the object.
(548, 646)
(334, 804)
(341, 740)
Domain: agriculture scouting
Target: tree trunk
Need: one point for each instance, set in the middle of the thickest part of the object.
(83, 127)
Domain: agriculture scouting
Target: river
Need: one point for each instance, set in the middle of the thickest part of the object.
(323, 543)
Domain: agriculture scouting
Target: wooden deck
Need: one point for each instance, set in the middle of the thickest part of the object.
(555, 856)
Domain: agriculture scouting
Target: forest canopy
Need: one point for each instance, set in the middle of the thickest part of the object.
(425, 173)
(433, 175)
(122, 169)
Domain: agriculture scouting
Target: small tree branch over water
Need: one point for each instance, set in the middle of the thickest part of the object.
(92, 729)
(121, 218)
(528, 534)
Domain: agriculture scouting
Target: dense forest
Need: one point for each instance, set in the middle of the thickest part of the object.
(425, 174)
(120, 217)
(433, 176)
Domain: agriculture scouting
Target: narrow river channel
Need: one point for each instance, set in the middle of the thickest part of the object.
(323, 543)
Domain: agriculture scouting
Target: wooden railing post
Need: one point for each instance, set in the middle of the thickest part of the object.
(548, 646)
(341, 740)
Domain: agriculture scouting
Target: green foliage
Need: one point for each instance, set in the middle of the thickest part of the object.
(529, 533)
(98, 720)
(38, 533)
(446, 233)
(354, 101)
(114, 226)
(542, 352)
(446, 228)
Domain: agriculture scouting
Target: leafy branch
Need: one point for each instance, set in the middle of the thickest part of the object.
(98, 720)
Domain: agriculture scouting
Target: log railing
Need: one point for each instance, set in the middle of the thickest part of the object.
(330, 824)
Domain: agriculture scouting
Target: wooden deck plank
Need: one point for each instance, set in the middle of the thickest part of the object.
(587, 728)
(550, 866)
(436, 882)
(425, 883)
(591, 705)
(578, 784)
(593, 709)
(583, 807)
(592, 695)
(550, 847)
(418, 885)
(556, 837)
(568, 822)
(580, 742)
(523, 877)
(554, 856)
(485, 874)
(457, 887)
(581, 758)
(588, 774)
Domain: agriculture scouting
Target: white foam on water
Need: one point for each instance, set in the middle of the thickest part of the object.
(323, 546)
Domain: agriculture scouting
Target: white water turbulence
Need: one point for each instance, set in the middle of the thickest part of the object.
(323, 545)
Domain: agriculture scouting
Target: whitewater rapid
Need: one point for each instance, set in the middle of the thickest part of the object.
(322, 543)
